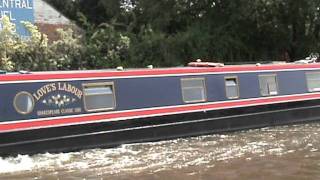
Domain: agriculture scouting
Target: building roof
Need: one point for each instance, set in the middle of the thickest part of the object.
(46, 14)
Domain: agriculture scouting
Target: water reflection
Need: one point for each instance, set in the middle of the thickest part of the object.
(277, 152)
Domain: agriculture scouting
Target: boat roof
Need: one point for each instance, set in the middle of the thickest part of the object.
(129, 73)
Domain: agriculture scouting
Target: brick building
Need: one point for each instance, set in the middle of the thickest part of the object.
(49, 19)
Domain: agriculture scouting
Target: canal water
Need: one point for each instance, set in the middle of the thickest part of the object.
(284, 152)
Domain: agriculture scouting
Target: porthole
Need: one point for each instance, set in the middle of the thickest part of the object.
(23, 103)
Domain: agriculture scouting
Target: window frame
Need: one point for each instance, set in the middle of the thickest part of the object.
(237, 85)
(276, 83)
(203, 85)
(306, 77)
(99, 84)
(15, 103)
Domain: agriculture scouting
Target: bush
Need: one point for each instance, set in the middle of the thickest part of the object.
(68, 50)
(9, 43)
(103, 48)
(106, 48)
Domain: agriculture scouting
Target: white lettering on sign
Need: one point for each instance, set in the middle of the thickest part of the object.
(8, 14)
(18, 11)
(8, 7)
(18, 4)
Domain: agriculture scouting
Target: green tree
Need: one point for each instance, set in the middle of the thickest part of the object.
(173, 32)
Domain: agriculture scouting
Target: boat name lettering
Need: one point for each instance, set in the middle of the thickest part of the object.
(51, 112)
(57, 87)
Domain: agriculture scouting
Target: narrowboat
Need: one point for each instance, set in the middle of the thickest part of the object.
(74, 110)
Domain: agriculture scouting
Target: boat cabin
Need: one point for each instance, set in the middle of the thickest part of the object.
(142, 98)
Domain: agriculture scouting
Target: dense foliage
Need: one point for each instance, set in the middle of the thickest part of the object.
(137, 33)
(103, 49)
(170, 32)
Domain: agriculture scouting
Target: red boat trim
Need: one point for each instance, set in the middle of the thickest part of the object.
(149, 112)
(47, 76)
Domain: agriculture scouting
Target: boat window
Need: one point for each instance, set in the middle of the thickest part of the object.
(313, 81)
(268, 84)
(193, 89)
(99, 96)
(232, 87)
(23, 103)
